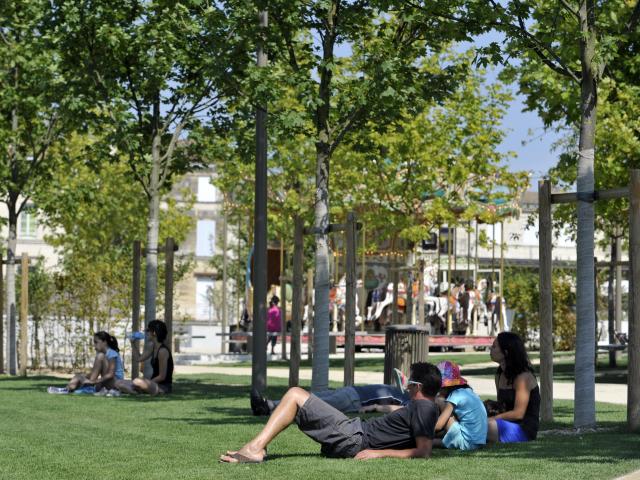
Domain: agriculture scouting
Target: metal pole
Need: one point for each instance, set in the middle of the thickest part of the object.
(169, 246)
(135, 308)
(546, 306)
(350, 306)
(24, 313)
(259, 356)
(633, 380)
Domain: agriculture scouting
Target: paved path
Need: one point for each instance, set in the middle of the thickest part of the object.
(605, 392)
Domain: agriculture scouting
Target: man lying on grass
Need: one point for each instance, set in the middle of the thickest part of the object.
(406, 433)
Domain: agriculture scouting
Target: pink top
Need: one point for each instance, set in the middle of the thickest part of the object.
(274, 322)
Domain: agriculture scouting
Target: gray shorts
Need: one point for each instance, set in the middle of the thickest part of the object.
(340, 436)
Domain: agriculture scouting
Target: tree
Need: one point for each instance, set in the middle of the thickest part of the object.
(342, 94)
(38, 105)
(155, 69)
(94, 214)
(580, 41)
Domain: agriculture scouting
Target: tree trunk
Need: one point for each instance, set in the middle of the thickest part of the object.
(11, 350)
(321, 318)
(151, 250)
(584, 412)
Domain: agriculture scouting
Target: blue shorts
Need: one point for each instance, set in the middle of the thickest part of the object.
(509, 432)
(455, 439)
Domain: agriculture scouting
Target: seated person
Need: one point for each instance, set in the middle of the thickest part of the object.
(406, 433)
(463, 417)
(518, 392)
(354, 399)
(107, 368)
(161, 361)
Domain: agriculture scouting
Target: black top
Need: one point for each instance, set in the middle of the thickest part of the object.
(398, 430)
(155, 364)
(531, 420)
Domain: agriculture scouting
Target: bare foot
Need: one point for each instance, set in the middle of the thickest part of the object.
(244, 455)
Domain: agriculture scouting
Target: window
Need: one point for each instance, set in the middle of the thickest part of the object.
(205, 241)
(204, 298)
(206, 191)
(27, 224)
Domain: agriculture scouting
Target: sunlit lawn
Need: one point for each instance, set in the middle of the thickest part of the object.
(77, 437)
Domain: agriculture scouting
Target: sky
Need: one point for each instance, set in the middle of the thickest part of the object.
(532, 144)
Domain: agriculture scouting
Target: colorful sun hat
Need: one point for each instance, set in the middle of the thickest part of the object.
(450, 374)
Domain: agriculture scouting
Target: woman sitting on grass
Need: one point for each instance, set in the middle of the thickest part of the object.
(463, 416)
(518, 392)
(161, 361)
(107, 369)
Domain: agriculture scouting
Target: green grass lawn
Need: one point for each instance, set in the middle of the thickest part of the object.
(76, 437)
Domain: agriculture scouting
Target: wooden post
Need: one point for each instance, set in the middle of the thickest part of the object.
(611, 302)
(135, 308)
(24, 313)
(408, 308)
(297, 304)
(168, 290)
(421, 319)
(310, 314)
(477, 259)
(501, 290)
(633, 379)
(1, 314)
(546, 305)
(396, 279)
(225, 303)
(449, 274)
(350, 307)
(283, 302)
(363, 301)
(468, 250)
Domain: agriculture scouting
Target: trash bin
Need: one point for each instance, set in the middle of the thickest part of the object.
(404, 345)
(236, 347)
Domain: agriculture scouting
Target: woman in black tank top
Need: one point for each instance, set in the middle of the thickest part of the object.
(161, 361)
(518, 392)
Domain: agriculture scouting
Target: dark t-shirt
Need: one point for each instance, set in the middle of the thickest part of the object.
(398, 430)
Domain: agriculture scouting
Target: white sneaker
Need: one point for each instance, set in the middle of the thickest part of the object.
(102, 393)
(114, 392)
(58, 390)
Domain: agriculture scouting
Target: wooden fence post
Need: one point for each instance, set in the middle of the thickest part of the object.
(350, 313)
(421, 319)
(24, 313)
(1, 314)
(546, 301)
(310, 301)
(633, 375)
(297, 304)
(135, 308)
(169, 248)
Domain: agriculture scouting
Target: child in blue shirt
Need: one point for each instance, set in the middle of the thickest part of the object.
(463, 416)
(107, 369)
